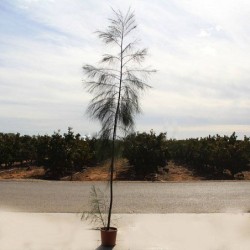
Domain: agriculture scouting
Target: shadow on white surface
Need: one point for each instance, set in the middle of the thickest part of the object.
(104, 248)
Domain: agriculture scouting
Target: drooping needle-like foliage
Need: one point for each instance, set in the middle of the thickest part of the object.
(117, 83)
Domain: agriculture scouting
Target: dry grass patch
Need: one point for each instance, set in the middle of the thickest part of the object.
(21, 173)
(100, 172)
(123, 172)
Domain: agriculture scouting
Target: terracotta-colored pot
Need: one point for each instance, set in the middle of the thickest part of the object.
(108, 236)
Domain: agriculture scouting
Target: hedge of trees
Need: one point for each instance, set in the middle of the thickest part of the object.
(15, 148)
(146, 152)
(213, 155)
(64, 154)
(59, 154)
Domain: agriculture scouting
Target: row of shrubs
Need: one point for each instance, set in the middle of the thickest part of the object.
(59, 154)
(213, 155)
(64, 154)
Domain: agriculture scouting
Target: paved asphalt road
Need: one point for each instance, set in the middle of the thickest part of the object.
(130, 197)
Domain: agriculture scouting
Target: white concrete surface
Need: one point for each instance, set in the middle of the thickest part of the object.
(36, 231)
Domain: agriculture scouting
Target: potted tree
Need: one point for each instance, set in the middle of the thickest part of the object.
(116, 85)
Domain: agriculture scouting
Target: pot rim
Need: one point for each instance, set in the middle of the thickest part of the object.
(111, 229)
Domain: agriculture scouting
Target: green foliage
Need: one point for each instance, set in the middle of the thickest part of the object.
(213, 154)
(58, 163)
(15, 148)
(146, 152)
(7, 153)
(59, 154)
(42, 148)
(26, 149)
(66, 153)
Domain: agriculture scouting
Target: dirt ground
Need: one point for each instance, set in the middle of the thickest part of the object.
(23, 173)
(172, 172)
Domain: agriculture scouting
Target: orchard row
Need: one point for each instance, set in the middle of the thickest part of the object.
(64, 154)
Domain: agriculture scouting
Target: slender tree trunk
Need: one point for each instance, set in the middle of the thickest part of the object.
(111, 182)
(114, 136)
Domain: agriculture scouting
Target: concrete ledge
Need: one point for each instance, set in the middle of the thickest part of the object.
(37, 231)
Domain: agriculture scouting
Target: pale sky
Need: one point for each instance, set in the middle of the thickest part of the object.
(201, 50)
